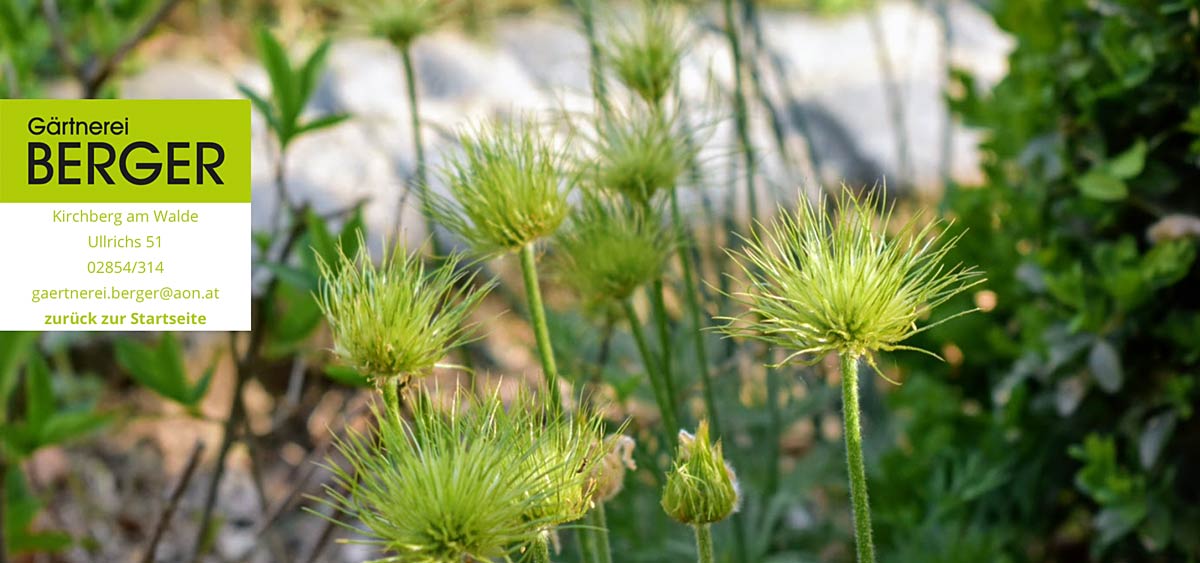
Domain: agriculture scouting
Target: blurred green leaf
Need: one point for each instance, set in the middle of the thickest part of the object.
(1105, 366)
(161, 368)
(1102, 185)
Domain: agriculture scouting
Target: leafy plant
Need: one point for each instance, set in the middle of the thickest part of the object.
(161, 369)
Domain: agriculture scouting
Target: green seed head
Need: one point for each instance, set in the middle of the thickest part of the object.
(638, 155)
(506, 188)
(701, 487)
(396, 318)
(606, 251)
(452, 486)
(567, 454)
(822, 283)
(646, 55)
(399, 21)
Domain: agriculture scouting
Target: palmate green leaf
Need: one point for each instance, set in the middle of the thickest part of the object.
(322, 241)
(1129, 163)
(321, 123)
(1102, 185)
(263, 106)
(20, 508)
(161, 369)
(284, 88)
(66, 426)
(309, 72)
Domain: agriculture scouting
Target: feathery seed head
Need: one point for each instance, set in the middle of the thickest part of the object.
(506, 187)
(397, 318)
(638, 155)
(607, 251)
(610, 474)
(399, 21)
(701, 487)
(447, 486)
(646, 56)
(567, 453)
(823, 283)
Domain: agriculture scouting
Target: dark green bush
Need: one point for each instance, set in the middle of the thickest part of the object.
(1063, 428)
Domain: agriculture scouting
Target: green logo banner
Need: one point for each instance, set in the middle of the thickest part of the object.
(124, 151)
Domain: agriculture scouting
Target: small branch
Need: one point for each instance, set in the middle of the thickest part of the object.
(101, 73)
(169, 511)
(59, 39)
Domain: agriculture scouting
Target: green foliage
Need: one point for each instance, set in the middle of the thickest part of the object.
(507, 187)
(474, 482)
(45, 423)
(823, 283)
(291, 88)
(1079, 377)
(161, 369)
(607, 251)
(399, 318)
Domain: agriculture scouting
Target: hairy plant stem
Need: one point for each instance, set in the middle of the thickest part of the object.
(391, 397)
(704, 543)
(741, 110)
(541, 330)
(541, 548)
(587, 16)
(658, 301)
(693, 302)
(602, 544)
(854, 460)
(421, 177)
(670, 423)
(587, 539)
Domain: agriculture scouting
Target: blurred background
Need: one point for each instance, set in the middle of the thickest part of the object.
(1063, 136)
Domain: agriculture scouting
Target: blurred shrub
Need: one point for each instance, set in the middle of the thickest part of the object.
(1066, 430)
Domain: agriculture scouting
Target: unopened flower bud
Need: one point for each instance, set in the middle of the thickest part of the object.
(701, 487)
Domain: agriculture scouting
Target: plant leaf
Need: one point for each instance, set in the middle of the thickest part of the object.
(39, 393)
(1105, 365)
(283, 83)
(263, 106)
(1100, 184)
(310, 72)
(13, 348)
(322, 123)
(1129, 163)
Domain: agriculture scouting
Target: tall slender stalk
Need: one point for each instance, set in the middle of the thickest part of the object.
(658, 301)
(602, 542)
(693, 302)
(587, 15)
(3, 504)
(741, 110)
(421, 178)
(704, 543)
(588, 551)
(652, 369)
(541, 330)
(854, 460)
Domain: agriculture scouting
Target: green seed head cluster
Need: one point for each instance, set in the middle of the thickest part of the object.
(638, 155)
(607, 251)
(825, 283)
(701, 487)
(646, 56)
(399, 21)
(474, 483)
(396, 318)
(507, 188)
(567, 453)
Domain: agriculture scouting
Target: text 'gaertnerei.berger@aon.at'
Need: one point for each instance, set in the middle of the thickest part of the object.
(136, 162)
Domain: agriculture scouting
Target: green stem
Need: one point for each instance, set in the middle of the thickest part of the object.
(664, 338)
(775, 416)
(704, 543)
(541, 548)
(3, 504)
(587, 13)
(541, 330)
(693, 301)
(741, 112)
(602, 545)
(854, 461)
(587, 539)
(391, 397)
(656, 383)
(421, 177)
